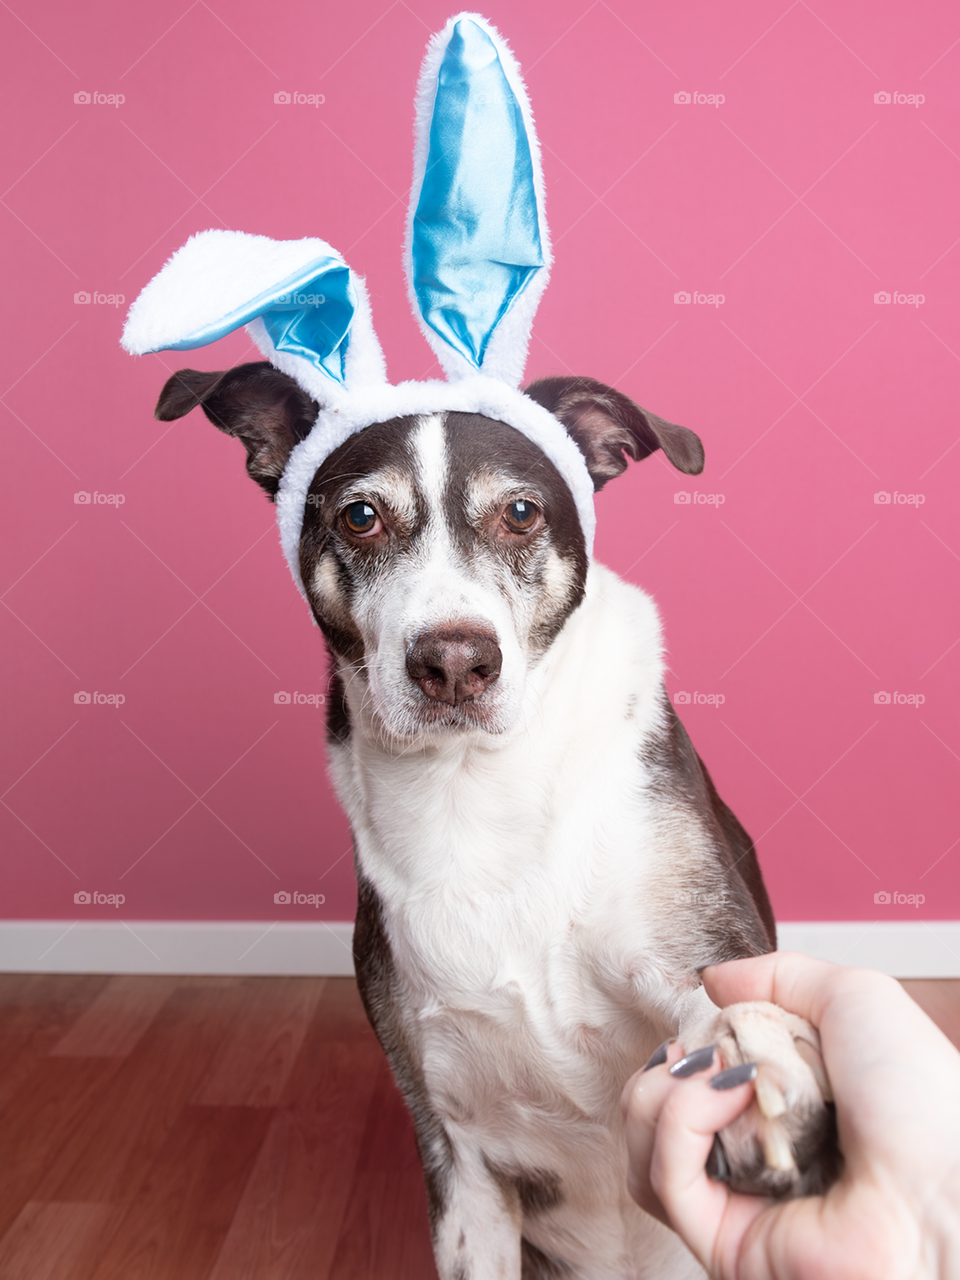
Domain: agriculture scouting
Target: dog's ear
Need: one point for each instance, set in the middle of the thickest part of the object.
(254, 402)
(607, 424)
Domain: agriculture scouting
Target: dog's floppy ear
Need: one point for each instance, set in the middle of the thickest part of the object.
(254, 402)
(607, 424)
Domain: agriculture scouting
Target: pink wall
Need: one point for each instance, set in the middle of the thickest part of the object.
(797, 599)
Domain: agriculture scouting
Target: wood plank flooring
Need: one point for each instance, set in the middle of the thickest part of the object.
(202, 1129)
(161, 1128)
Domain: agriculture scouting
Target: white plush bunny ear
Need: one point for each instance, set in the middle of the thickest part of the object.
(305, 309)
(478, 251)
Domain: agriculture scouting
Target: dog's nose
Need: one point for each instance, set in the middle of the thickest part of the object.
(454, 664)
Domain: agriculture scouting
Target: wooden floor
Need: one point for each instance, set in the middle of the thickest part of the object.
(213, 1129)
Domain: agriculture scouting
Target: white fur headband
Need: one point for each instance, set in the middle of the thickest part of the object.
(477, 259)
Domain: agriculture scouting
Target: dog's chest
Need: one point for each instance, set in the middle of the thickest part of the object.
(520, 880)
(512, 950)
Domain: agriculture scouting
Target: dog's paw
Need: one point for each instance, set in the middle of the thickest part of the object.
(785, 1143)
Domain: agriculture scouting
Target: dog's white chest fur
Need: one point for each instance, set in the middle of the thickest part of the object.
(523, 881)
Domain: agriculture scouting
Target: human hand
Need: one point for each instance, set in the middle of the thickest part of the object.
(896, 1079)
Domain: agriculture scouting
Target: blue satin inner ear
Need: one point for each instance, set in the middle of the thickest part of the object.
(476, 232)
(308, 314)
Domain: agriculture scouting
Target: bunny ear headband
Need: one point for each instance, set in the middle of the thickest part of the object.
(477, 259)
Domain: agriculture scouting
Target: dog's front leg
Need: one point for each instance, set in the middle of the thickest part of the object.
(476, 1228)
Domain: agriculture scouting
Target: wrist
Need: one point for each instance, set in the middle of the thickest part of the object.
(942, 1230)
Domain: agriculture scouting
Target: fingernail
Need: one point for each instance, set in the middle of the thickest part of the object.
(659, 1055)
(717, 1168)
(699, 1060)
(733, 1076)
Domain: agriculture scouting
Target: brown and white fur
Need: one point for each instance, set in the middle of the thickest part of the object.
(543, 860)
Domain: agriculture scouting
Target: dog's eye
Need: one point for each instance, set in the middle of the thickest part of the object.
(521, 516)
(360, 518)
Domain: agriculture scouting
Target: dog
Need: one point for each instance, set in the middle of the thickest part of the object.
(543, 861)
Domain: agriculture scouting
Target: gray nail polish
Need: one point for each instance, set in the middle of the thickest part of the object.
(699, 1060)
(659, 1055)
(733, 1076)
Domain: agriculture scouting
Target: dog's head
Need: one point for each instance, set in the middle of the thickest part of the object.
(441, 553)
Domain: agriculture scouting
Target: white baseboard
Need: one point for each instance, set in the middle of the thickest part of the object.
(173, 946)
(902, 948)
